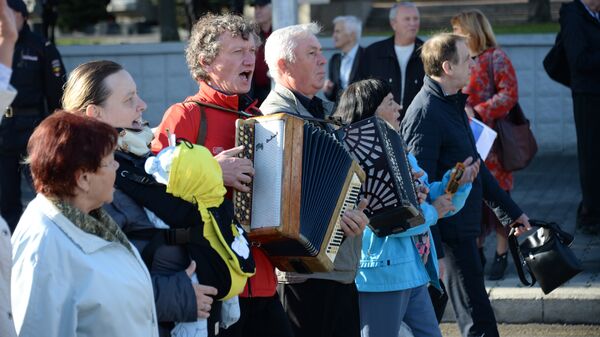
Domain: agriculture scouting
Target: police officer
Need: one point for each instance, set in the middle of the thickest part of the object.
(38, 75)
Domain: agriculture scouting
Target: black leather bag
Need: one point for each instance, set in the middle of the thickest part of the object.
(555, 62)
(545, 255)
(439, 299)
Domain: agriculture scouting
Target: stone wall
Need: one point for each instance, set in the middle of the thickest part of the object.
(163, 78)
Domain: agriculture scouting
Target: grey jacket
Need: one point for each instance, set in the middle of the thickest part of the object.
(282, 99)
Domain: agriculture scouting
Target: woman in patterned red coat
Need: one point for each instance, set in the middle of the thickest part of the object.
(492, 93)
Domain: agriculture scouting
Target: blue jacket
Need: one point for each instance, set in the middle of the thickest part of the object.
(393, 263)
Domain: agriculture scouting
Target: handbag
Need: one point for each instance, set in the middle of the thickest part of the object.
(515, 144)
(555, 62)
(439, 300)
(545, 255)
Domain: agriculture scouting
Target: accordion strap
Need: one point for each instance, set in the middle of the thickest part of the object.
(335, 120)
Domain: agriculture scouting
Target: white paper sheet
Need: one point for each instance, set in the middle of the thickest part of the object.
(484, 137)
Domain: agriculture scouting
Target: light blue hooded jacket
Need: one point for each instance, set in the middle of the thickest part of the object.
(393, 263)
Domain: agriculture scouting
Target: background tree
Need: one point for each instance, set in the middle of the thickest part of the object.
(167, 19)
(539, 11)
(79, 14)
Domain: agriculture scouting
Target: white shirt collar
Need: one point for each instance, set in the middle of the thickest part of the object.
(352, 53)
(595, 15)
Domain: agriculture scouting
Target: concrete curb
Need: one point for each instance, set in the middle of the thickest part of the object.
(573, 305)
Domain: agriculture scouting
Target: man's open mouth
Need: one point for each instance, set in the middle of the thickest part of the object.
(246, 75)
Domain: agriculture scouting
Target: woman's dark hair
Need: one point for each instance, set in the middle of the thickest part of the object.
(361, 99)
(64, 144)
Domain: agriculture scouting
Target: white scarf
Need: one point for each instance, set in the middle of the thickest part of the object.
(135, 141)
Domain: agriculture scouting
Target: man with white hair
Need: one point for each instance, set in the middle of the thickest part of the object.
(343, 67)
(396, 60)
(318, 304)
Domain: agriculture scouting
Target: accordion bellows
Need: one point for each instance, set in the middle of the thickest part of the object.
(389, 187)
(304, 180)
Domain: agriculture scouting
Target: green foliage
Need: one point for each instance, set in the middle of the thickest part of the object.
(78, 14)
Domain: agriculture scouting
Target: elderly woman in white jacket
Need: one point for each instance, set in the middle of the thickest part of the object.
(74, 272)
(8, 37)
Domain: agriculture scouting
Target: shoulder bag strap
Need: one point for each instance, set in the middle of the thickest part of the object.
(491, 73)
(202, 129)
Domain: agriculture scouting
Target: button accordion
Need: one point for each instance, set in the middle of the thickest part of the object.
(389, 187)
(304, 180)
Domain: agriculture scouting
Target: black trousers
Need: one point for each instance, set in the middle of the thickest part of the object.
(10, 187)
(466, 289)
(322, 308)
(260, 316)
(586, 110)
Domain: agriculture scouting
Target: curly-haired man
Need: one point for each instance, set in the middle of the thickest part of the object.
(221, 57)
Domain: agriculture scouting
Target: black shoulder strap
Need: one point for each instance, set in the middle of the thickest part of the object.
(158, 237)
(201, 138)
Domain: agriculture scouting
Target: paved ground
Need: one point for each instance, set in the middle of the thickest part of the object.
(533, 330)
(549, 189)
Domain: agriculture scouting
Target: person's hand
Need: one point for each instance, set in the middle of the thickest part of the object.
(417, 174)
(353, 222)
(443, 204)
(442, 267)
(521, 225)
(203, 293)
(471, 171)
(421, 189)
(236, 171)
(328, 87)
(422, 192)
(470, 112)
(8, 25)
(8, 33)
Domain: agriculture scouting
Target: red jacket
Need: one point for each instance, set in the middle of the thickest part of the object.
(183, 119)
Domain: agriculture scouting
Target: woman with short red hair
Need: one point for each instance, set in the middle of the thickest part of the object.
(74, 271)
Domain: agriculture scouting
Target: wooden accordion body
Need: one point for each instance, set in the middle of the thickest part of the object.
(304, 180)
(389, 187)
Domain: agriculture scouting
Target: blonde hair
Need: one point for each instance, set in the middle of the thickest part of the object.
(86, 85)
(480, 35)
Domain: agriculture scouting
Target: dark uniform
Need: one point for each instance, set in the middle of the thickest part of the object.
(38, 75)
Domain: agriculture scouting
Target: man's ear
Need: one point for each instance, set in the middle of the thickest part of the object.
(447, 67)
(282, 65)
(204, 65)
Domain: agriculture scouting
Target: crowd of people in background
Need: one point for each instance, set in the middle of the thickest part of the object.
(109, 247)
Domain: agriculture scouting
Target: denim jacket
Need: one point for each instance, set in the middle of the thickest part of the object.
(392, 263)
